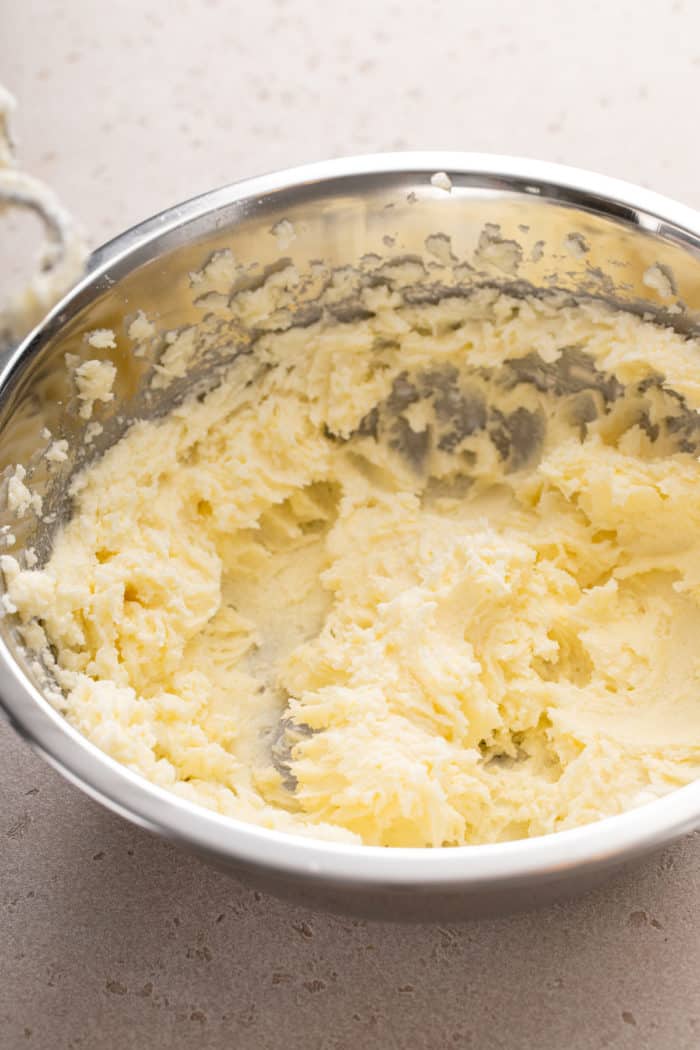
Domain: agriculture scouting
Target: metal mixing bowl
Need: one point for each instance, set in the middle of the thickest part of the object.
(523, 225)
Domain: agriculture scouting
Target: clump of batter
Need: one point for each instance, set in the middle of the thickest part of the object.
(425, 575)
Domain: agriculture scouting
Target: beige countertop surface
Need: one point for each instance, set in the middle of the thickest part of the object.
(110, 938)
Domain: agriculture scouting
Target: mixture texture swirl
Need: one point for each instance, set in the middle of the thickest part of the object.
(424, 577)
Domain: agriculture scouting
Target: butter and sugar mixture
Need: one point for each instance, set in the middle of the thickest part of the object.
(427, 575)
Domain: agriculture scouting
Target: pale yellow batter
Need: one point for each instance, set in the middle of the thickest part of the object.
(428, 577)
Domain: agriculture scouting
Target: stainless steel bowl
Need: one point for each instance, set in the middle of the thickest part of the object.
(524, 225)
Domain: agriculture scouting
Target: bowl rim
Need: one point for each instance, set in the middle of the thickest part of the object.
(232, 840)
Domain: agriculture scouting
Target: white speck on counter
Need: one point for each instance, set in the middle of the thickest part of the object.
(441, 180)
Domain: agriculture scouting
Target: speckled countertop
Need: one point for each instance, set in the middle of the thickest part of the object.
(112, 939)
